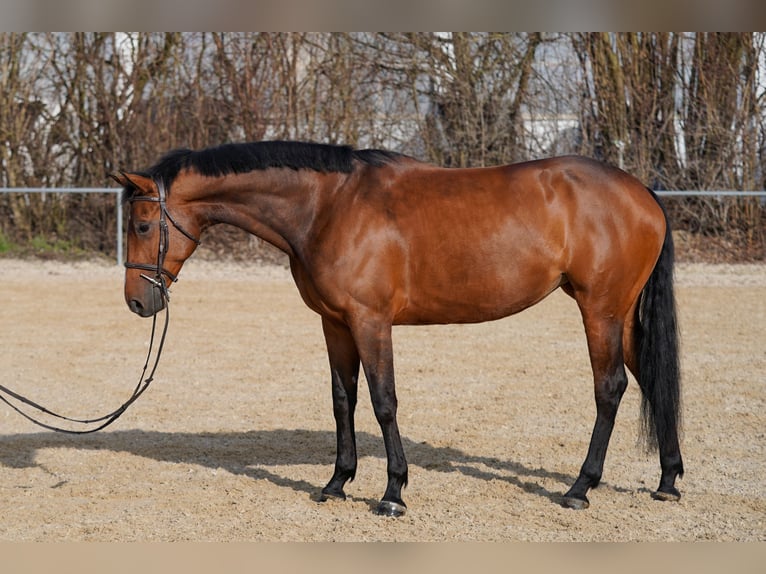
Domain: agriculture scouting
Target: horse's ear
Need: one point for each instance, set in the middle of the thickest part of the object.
(134, 180)
(119, 178)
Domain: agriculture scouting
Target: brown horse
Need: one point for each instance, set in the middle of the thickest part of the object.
(377, 239)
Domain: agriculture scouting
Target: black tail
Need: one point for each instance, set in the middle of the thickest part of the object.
(658, 351)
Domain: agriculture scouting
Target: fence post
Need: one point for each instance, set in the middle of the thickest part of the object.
(119, 230)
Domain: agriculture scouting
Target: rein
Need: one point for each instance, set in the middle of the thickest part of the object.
(106, 420)
(144, 381)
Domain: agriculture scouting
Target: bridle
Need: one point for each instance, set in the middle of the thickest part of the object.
(158, 282)
(159, 269)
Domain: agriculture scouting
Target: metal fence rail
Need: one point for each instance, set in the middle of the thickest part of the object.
(116, 191)
(713, 193)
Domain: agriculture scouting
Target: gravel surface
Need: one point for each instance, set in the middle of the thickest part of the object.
(235, 438)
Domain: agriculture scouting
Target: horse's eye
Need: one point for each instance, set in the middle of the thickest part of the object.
(142, 227)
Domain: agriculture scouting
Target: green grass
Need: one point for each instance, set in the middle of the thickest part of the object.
(6, 246)
(41, 247)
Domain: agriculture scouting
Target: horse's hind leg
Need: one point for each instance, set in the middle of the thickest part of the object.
(668, 444)
(604, 336)
(344, 368)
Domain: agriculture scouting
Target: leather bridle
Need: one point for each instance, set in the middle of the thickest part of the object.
(162, 250)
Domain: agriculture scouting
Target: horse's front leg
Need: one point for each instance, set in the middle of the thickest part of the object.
(373, 340)
(344, 369)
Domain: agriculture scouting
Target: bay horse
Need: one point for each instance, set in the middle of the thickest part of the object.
(376, 239)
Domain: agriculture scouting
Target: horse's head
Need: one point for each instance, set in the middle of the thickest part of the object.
(158, 242)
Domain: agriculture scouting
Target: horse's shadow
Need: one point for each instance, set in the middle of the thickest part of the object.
(252, 454)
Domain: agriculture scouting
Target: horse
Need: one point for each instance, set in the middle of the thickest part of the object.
(376, 239)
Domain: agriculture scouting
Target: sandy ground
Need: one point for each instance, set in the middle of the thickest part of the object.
(235, 438)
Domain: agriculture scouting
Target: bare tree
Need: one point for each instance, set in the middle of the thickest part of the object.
(629, 100)
(472, 87)
(680, 111)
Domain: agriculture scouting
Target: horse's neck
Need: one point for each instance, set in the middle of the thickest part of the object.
(277, 205)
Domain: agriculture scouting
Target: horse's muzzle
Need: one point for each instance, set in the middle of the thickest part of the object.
(148, 304)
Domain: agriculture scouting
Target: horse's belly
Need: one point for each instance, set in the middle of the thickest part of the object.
(475, 301)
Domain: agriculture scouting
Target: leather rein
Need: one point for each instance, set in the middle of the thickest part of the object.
(144, 381)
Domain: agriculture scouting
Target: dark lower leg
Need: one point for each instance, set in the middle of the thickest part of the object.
(672, 466)
(344, 368)
(385, 412)
(671, 462)
(344, 403)
(378, 361)
(593, 467)
(610, 383)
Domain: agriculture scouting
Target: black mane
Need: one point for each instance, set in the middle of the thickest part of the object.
(236, 158)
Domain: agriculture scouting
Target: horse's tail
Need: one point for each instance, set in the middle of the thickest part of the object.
(657, 333)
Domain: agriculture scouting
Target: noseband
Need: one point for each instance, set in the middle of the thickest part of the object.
(162, 250)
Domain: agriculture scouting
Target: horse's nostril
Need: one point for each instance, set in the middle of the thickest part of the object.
(136, 306)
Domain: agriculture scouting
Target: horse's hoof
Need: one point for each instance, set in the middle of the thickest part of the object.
(575, 503)
(672, 496)
(331, 495)
(388, 508)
